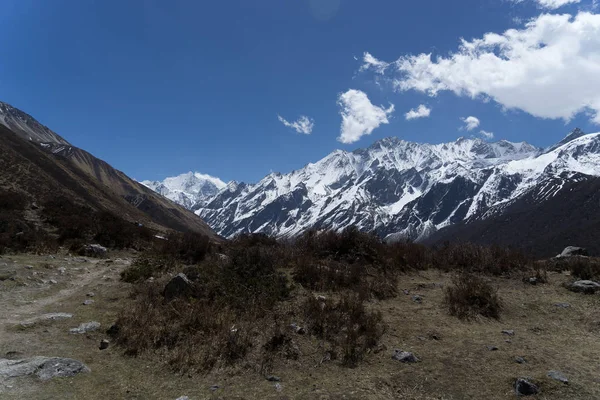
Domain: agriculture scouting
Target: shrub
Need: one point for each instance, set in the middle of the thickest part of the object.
(345, 324)
(470, 296)
(145, 267)
(189, 247)
(584, 268)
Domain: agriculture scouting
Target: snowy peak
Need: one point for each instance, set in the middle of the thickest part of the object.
(574, 134)
(27, 127)
(187, 189)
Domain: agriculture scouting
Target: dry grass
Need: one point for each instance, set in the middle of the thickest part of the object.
(470, 296)
(458, 366)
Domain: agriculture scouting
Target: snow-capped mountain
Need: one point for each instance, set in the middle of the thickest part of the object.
(401, 189)
(187, 189)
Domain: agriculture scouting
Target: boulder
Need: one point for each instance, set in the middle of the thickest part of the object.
(86, 327)
(43, 367)
(572, 251)
(179, 286)
(94, 250)
(523, 387)
(404, 356)
(585, 286)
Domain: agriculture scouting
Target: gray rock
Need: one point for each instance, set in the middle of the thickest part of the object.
(88, 302)
(321, 298)
(104, 344)
(571, 251)
(492, 348)
(533, 280)
(90, 294)
(52, 281)
(43, 367)
(558, 376)
(297, 329)
(523, 387)
(417, 299)
(179, 286)
(508, 332)
(86, 327)
(585, 286)
(29, 266)
(60, 367)
(404, 356)
(94, 250)
(562, 305)
(214, 388)
(273, 378)
(520, 360)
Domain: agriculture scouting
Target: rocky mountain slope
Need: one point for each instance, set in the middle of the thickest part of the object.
(40, 164)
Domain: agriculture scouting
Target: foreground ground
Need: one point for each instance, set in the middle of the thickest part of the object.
(456, 362)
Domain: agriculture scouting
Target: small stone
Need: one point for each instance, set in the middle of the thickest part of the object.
(533, 281)
(52, 281)
(104, 344)
(558, 376)
(525, 388)
(62, 270)
(520, 360)
(278, 387)
(273, 378)
(406, 292)
(508, 332)
(492, 348)
(183, 398)
(404, 356)
(321, 298)
(417, 299)
(508, 341)
(88, 302)
(29, 266)
(90, 294)
(562, 305)
(214, 388)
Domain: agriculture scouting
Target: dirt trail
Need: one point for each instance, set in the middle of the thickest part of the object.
(77, 279)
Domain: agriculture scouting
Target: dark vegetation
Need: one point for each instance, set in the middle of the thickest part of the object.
(254, 299)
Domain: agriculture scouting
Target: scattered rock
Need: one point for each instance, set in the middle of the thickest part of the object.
(297, 329)
(533, 281)
(525, 388)
(404, 356)
(52, 281)
(562, 305)
(273, 378)
(214, 388)
(585, 286)
(90, 294)
(406, 292)
(558, 376)
(179, 286)
(520, 360)
(86, 327)
(417, 299)
(508, 332)
(29, 266)
(88, 302)
(571, 251)
(492, 348)
(321, 298)
(183, 398)
(104, 344)
(278, 387)
(43, 367)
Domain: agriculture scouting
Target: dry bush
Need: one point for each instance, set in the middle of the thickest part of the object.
(188, 247)
(474, 258)
(345, 324)
(584, 268)
(145, 267)
(471, 296)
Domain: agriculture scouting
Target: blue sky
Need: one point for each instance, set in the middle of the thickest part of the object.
(159, 88)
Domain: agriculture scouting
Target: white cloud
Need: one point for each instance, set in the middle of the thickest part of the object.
(549, 68)
(420, 112)
(303, 125)
(486, 134)
(371, 62)
(359, 116)
(551, 4)
(471, 123)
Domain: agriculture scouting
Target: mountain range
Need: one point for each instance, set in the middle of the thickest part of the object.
(41, 165)
(399, 189)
